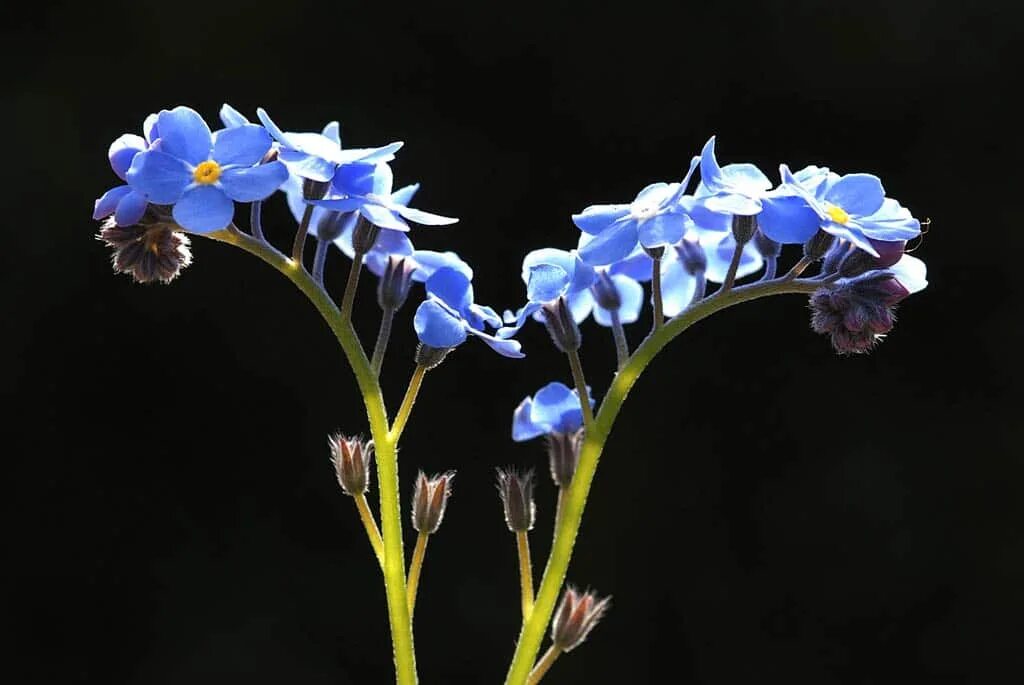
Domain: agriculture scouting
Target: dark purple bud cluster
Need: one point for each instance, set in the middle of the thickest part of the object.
(561, 325)
(857, 314)
(150, 251)
(429, 500)
(516, 490)
(575, 617)
(352, 459)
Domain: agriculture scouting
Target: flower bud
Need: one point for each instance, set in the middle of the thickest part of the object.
(429, 500)
(364, 235)
(605, 293)
(692, 256)
(818, 245)
(857, 314)
(516, 490)
(330, 226)
(563, 455)
(743, 228)
(768, 248)
(859, 261)
(575, 617)
(654, 252)
(394, 284)
(430, 357)
(150, 251)
(314, 190)
(352, 459)
(561, 325)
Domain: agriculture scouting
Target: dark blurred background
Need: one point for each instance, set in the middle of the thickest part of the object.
(765, 511)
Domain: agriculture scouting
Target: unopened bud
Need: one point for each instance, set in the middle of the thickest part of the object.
(561, 325)
(314, 190)
(743, 228)
(516, 490)
(818, 245)
(394, 284)
(856, 314)
(429, 500)
(835, 256)
(768, 248)
(150, 251)
(430, 357)
(575, 617)
(605, 293)
(352, 459)
(692, 256)
(364, 235)
(330, 226)
(563, 456)
(859, 261)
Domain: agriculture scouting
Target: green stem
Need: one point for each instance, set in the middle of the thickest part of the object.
(525, 572)
(384, 446)
(370, 523)
(545, 663)
(619, 334)
(387, 318)
(300, 235)
(581, 387)
(348, 298)
(415, 569)
(410, 399)
(533, 630)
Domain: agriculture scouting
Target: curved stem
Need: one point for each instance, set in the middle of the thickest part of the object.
(387, 318)
(770, 265)
(300, 235)
(410, 399)
(734, 265)
(700, 289)
(532, 633)
(370, 524)
(545, 663)
(256, 221)
(348, 298)
(415, 568)
(525, 572)
(384, 446)
(619, 334)
(659, 309)
(581, 387)
(320, 260)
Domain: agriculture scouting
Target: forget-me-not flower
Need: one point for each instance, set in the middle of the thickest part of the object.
(201, 174)
(124, 202)
(549, 274)
(554, 409)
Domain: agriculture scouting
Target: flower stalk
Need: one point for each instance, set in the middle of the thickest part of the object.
(370, 523)
(415, 569)
(525, 572)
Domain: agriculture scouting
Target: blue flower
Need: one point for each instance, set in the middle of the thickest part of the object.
(318, 156)
(851, 207)
(554, 409)
(449, 315)
(126, 204)
(201, 174)
(367, 189)
(653, 219)
(549, 274)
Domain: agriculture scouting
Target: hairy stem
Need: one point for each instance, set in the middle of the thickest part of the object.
(542, 667)
(256, 221)
(581, 387)
(415, 568)
(370, 524)
(410, 399)
(525, 572)
(734, 265)
(300, 235)
(621, 346)
(384, 446)
(348, 298)
(596, 434)
(387, 318)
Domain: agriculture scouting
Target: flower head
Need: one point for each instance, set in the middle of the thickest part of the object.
(124, 202)
(550, 274)
(554, 409)
(150, 251)
(203, 174)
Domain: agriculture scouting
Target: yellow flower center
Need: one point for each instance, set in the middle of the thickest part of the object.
(207, 172)
(838, 214)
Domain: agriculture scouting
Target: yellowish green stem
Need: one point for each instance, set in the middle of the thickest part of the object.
(370, 523)
(525, 572)
(541, 669)
(384, 446)
(597, 431)
(415, 569)
(581, 387)
(410, 399)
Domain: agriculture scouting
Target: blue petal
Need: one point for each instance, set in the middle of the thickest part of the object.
(383, 180)
(382, 216)
(911, 272)
(150, 129)
(857, 194)
(720, 254)
(204, 209)
(681, 190)
(745, 178)
(332, 132)
(122, 151)
(503, 346)
(355, 179)
(612, 245)
(665, 229)
(677, 287)
(231, 117)
(184, 134)
(275, 131)
(547, 282)
(244, 145)
(437, 326)
(552, 403)
(160, 176)
(107, 203)
(424, 218)
(518, 319)
(404, 195)
(710, 172)
(852, 232)
(632, 296)
(703, 218)
(548, 255)
(637, 266)
(130, 209)
(248, 184)
(428, 262)
(891, 222)
(372, 155)
(598, 218)
(788, 219)
(451, 287)
(581, 304)
(308, 166)
(342, 204)
(523, 427)
(733, 203)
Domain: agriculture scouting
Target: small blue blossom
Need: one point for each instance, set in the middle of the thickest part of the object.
(201, 174)
(653, 219)
(449, 315)
(125, 203)
(851, 207)
(554, 409)
(549, 274)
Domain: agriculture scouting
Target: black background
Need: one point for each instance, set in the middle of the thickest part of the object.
(766, 511)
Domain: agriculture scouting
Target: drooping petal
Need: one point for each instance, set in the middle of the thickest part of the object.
(308, 166)
(107, 203)
(248, 184)
(438, 326)
(204, 209)
(451, 287)
(503, 346)
(516, 321)
(546, 282)
(850, 231)
(122, 151)
(703, 218)
(631, 294)
(428, 262)
(637, 266)
(244, 145)
(598, 218)
(231, 117)
(382, 216)
(552, 403)
(149, 128)
(383, 180)
(581, 304)
(710, 171)
(332, 132)
(891, 222)
(354, 179)
(130, 209)
(911, 272)
(341, 204)
(159, 175)
(732, 203)
(424, 218)
(370, 155)
(788, 219)
(720, 255)
(745, 178)
(184, 134)
(661, 230)
(613, 244)
(404, 195)
(523, 426)
(677, 287)
(857, 194)
(681, 188)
